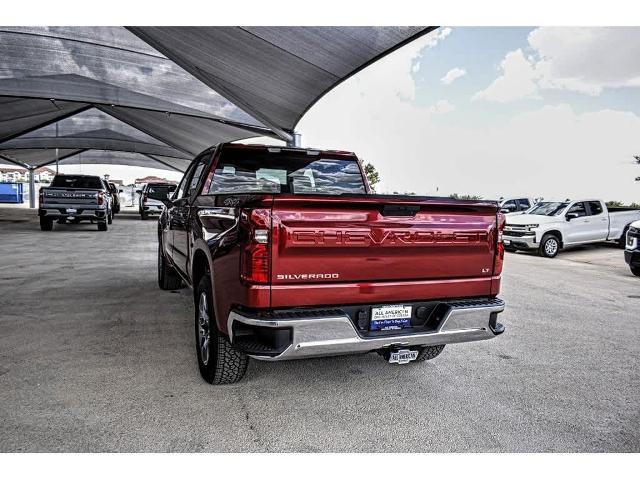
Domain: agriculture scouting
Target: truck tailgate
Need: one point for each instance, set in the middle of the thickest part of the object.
(54, 197)
(366, 243)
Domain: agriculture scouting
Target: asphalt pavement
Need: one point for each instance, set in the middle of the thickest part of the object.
(94, 357)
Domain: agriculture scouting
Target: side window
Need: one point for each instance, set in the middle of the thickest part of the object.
(523, 204)
(197, 173)
(511, 205)
(180, 189)
(595, 207)
(578, 208)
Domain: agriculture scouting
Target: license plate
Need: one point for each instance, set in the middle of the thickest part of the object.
(391, 317)
(403, 356)
(72, 210)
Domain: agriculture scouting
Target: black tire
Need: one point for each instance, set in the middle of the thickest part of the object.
(46, 224)
(116, 209)
(427, 353)
(622, 241)
(144, 215)
(102, 226)
(223, 363)
(635, 271)
(109, 217)
(168, 278)
(548, 248)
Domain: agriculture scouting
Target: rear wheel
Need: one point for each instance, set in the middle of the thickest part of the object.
(144, 215)
(427, 353)
(46, 224)
(219, 362)
(635, 271)
(102, 226)
(168, 278)
(109, 217)
(549, 246)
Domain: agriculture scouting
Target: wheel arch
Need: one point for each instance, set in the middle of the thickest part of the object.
(557, 233)
(200, 266)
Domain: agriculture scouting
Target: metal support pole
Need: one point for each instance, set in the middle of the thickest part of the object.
(32, 188)
(57, 149)
(296, 140)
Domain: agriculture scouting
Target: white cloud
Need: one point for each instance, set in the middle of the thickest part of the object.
(580, 59)
(518, 79)
(587, 60)
(442, 107)
(404, 62)
(452, 75)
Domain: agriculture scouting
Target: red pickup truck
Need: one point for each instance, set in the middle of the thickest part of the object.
(290, 255)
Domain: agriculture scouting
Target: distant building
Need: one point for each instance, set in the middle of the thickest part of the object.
(17, 174)
(153, 179)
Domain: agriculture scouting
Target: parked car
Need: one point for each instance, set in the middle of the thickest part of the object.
(152, 198)
(516, 205)
(551, 226)
(75, 198)
(290, 255)
(632, 248)
(115, 196)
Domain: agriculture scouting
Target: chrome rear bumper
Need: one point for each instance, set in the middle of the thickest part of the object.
(465, 321)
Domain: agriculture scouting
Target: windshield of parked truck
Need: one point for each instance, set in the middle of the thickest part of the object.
(548, 208)
(77, 181)
(264, 172)
(159, 192)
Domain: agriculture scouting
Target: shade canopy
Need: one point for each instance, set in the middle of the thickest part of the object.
(157, 96)
(275, 74)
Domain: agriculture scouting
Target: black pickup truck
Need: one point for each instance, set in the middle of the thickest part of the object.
(75, 198)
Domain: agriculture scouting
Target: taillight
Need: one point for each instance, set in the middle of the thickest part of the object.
(100, 198)
(499, 258)
(41, 197)
(144, 198)
(255, 263)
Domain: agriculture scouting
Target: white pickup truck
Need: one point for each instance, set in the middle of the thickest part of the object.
(551, 226)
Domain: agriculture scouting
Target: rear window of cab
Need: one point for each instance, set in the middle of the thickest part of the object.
(242, 171)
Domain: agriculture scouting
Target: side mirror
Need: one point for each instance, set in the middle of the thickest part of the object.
(120, 191)
(571, 216)
(167, 202)
(139, 192)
